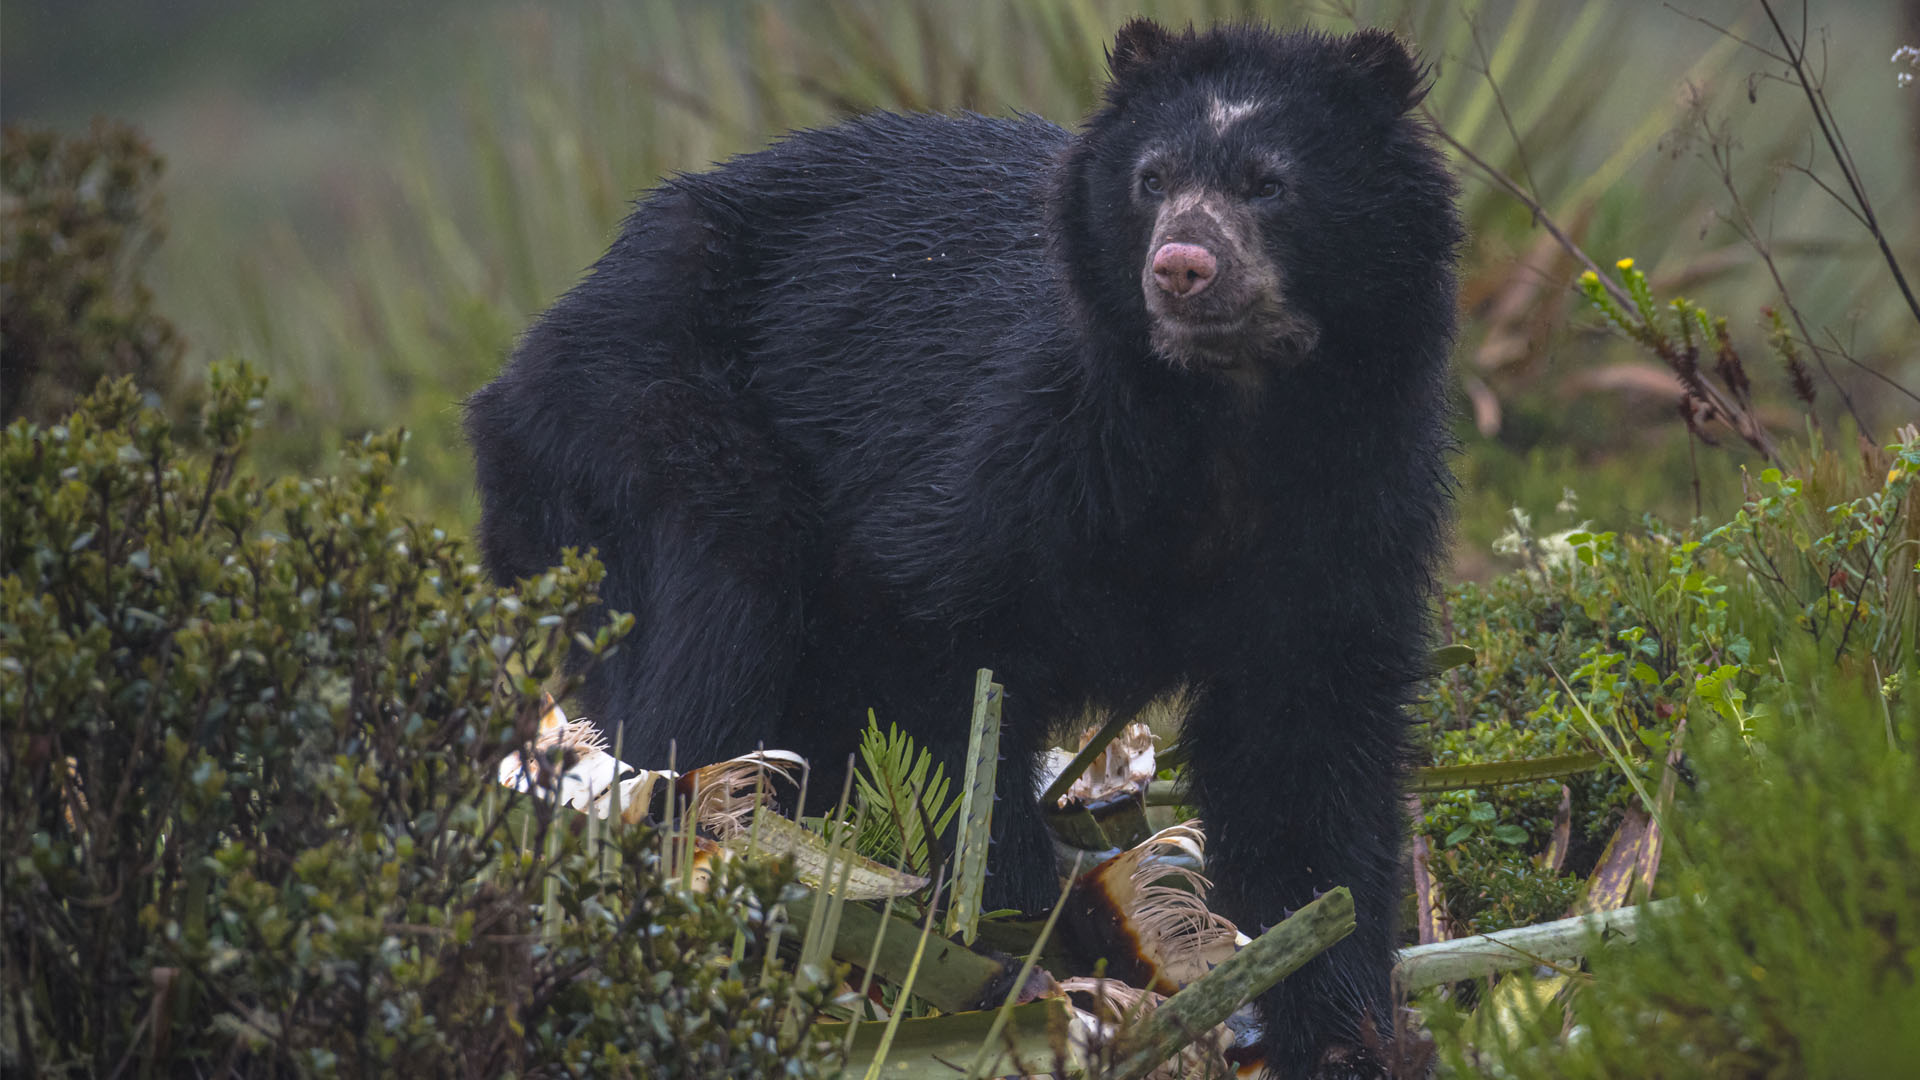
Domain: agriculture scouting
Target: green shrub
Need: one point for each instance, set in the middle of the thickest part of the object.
(1832, 549)
(252, 821)
(1642, 631)
(78, 221)
(1784, 638)
(1528, 629)
(1801, 956)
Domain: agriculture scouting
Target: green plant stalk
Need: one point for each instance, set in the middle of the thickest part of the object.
(1422, 966)
(907, 986)
(1435, 778)
(551, 916)
(989, 1045)
(1624, 764)
(976, 810)
(837, 903)
(1210, 999)
(866, 971)
(819, 941)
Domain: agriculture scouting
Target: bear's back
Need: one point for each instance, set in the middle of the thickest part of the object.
(895, 258)
(884, 239)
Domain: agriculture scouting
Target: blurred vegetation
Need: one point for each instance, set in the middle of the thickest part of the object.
(60, 54)
(78, 220)
(378, 261)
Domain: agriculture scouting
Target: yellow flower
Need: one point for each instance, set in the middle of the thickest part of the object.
(1589, 278)
(1625, 264)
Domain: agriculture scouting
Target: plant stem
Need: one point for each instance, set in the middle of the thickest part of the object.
(1521, 947)
(1209, 1000)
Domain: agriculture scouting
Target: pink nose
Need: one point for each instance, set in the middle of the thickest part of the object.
(1183, 269)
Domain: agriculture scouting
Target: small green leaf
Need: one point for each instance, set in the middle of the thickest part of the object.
(1447, 657)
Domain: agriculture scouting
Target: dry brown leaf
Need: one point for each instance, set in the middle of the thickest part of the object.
(1156, 935)
(1124, 768)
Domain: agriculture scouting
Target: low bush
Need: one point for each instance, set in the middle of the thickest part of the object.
(1796, 949)
(253, 824)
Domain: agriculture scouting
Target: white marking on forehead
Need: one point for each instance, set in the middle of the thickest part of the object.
(1224, 114)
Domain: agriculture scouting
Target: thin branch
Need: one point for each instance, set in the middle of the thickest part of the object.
(1500, 102)
(1724, 408)
(1717, 28)
(1845, 354)
(1808, 172)
(1512, 187)
(1817, 101)
(1720, 148)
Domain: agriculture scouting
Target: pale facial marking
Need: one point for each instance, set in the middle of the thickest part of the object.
(1224, 114)
(1191, 201)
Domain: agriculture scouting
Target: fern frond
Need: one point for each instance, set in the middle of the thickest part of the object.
(899, 788)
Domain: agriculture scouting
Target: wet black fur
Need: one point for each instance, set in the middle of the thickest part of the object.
(853, 416)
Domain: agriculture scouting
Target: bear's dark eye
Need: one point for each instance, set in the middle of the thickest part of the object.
(1268, 189)
(1151, 183)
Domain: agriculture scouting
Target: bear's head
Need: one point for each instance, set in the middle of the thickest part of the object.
(1244, 196)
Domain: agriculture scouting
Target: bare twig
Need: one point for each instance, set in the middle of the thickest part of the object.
(1815, 178)
(1727, 32)
(1815, 92)
(1847, 355)
(1720, 151)
(1854, 200)
(1500, 102)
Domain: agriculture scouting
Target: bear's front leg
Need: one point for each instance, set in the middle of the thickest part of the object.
(1299, 785)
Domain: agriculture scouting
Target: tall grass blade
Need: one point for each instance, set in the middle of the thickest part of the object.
(906, 987)
(992, 1046)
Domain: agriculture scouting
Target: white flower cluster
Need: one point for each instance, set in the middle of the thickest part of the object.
(1910, 56)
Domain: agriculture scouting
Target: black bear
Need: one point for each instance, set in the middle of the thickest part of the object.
(1157, 403)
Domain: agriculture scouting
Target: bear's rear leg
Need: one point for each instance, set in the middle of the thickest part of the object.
(704, 674)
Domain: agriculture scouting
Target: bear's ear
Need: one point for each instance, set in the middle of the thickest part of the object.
(1137, 43)
(1384, 61)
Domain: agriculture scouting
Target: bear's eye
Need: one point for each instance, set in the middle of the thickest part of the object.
(1268, 189)
(1151, 183)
